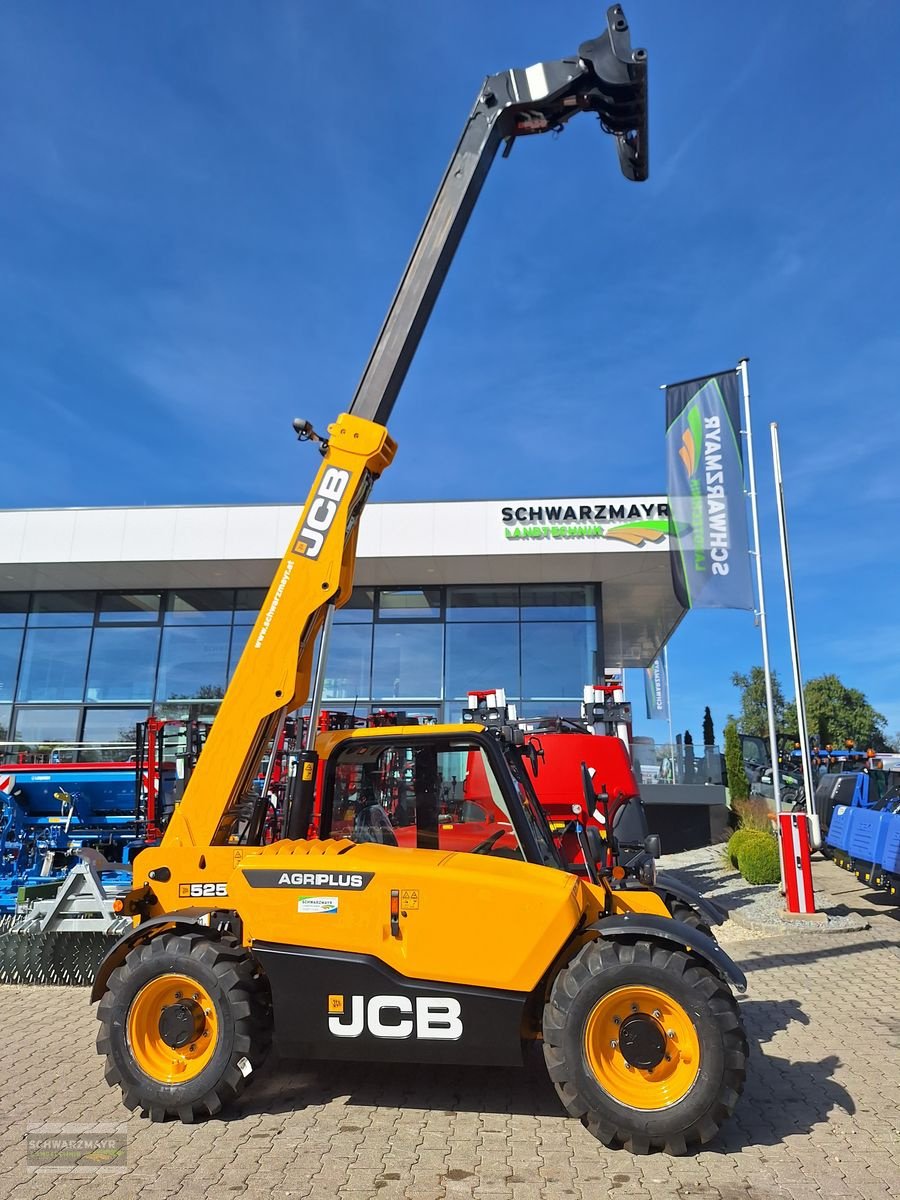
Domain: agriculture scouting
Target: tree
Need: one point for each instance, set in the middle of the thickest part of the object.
(206, 691)
(689, 764)
(709, 733)
(837, 713)
(738, 783)
(754, 719)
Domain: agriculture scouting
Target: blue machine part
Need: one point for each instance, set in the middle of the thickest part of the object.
(866, 842)
(50, 812)
(101, 797)
(889, 859)
(839, 829)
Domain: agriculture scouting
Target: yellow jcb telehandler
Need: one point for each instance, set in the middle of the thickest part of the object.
(376, 940)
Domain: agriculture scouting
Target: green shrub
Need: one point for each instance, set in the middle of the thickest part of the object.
(735, 842)
(758, 858)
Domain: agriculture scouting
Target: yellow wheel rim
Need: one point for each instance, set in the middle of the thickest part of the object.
(178, 1008)
(643, 1025)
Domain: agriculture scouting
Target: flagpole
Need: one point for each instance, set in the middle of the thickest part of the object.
(760, 590)
(805, 757)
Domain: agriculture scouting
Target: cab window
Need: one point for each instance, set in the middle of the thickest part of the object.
(423, 796)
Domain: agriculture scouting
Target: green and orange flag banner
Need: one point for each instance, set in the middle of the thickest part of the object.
(708, 535)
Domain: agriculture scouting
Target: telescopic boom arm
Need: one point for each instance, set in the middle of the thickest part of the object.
(220, 806)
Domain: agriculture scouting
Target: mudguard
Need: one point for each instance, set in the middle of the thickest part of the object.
(645, 925)
(667, 884)
(185, 920)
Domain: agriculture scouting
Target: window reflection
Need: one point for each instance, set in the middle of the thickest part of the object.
(358, 608)
(62, 608)
(13, 607)
(483, 603)
(5, 718)
(10, 649)
(46, 724)
(247, 603)
(349, 663)
(112, 724)
(53, 664)
(557, 602)
(480, 657)
(551, 708)
(124, 607)
(407, 662)
(193, 664)
(557, 658)
(239, 638)
(203, 606)
(387, 649)
(409, 603)
(123, 664)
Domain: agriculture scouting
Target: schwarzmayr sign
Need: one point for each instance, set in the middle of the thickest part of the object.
(631, 521)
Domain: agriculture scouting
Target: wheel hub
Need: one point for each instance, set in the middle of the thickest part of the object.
(642, 1047)
(181, 1023)
(642, 1042)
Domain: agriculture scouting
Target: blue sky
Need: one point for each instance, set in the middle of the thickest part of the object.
(206, 207)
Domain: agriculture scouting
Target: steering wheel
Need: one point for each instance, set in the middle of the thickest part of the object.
(372, 824)
(484, 847)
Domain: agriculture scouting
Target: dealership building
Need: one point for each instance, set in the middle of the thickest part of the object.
(107, 614)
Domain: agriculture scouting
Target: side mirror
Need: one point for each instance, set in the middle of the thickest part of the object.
(652, 845)
(596, 844)
(587, 788)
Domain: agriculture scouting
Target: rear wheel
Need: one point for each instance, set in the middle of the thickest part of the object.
(644, 1045)
(682, 911)
(184, 1023)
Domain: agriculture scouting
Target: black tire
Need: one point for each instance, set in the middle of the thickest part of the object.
(600, 968)
(240, 996)
(682, 911)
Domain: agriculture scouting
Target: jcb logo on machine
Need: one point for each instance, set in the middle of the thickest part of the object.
(201, 891)
(427, 1018)
(322, 511)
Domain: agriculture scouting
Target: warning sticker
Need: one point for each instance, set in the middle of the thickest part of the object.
(336, 1004)
(409, 898)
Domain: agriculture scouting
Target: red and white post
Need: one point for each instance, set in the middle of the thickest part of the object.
(796, 867)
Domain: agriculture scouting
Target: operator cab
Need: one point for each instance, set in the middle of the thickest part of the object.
(455, 792)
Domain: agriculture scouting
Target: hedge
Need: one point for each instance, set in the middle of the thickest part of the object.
(737, 840)
(758, 859)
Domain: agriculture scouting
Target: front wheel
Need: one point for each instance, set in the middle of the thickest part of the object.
(185, 1021)
(645, 1045)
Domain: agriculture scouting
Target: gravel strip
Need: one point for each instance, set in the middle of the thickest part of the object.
(757, 909)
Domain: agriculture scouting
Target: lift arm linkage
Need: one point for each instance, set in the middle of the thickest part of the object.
(606, 77)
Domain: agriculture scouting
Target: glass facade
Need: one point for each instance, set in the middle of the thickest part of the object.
(86, 666)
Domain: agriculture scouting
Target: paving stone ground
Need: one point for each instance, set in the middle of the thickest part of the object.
(818, 1121)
